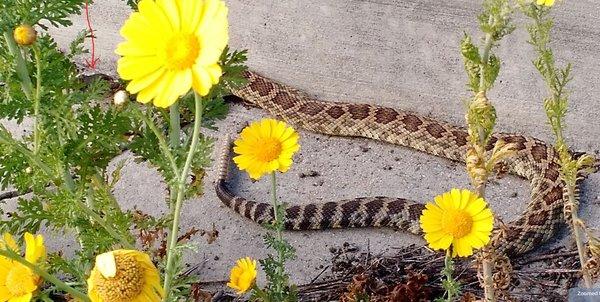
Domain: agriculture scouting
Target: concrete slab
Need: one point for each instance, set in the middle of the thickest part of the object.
(402, 54)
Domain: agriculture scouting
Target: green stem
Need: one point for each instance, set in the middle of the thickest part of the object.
(174, 141)
(99, 220)
(448, 271)
(36, 100)
(487, 271)
(44, 274)
(488, 284)
(169, 273)
(6, 139)
(487, 47)
(278, 230)
(69, 182)
(162, 143)
(70, 185)
(174, 125)
(21, 66)
(556, 121)
(45, 298)
(587, 279)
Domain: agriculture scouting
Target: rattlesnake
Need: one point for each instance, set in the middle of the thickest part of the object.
(534, 160)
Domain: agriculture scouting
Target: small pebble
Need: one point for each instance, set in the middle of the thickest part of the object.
(514, 194)
(364, 149)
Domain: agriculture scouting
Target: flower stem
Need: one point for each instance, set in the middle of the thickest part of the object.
(487, 47)
(487, 271)
(488, 284)
(162, 143)
(169, 273)
(5, 138)
(36, 100)
(21, 66)
(450, 285)
(587, 279)
(174, 141)
(276, 204)
(278, 230)
(44, 274)
(99, 220)
(174, 125)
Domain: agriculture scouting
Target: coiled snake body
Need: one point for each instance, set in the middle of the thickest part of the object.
(534, 160)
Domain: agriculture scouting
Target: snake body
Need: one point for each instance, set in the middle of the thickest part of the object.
(534, 160)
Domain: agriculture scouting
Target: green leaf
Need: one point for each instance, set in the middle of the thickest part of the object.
(491, 71)
(56, 12)
(469, 51)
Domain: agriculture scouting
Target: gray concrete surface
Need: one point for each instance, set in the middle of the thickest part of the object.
(402, 54)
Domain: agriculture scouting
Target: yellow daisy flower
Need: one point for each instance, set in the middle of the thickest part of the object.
(124, 275)
(545, 2)
(172, 46)
(457, 218)
(243, 275)
(18, 283)
(266, 146)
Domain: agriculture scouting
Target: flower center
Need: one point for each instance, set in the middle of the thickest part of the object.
(20, 281)
(125, 285)
(457, 223)
(268, 149)
(181, 51)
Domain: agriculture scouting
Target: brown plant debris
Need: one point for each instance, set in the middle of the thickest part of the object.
(412, 273)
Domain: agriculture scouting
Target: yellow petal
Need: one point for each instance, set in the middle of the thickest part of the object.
(441, 244)
(215, 72)
(10, 242)
(461, 248)
(170, 9)
(23, 298)
(151, 91)
(151, 11)
(34, 247)
(176, 84)
(142, 35)
(484, 215)
(4, 293)
(201, 81)
(133, 67)
(190, 12)
(475, 207)
(456, 198)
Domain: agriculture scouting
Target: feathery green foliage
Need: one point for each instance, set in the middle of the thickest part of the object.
(56, 12)
(556, 106)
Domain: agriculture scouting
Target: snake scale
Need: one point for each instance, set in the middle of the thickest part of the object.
(534, 160)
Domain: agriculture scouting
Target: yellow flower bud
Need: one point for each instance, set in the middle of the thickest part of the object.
(25, 35)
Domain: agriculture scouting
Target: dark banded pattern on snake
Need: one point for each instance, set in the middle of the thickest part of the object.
(534, 160)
